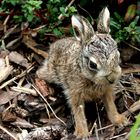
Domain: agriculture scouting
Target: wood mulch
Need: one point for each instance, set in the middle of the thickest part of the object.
(32, 110)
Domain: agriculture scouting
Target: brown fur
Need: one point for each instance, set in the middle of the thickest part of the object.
(69, 64)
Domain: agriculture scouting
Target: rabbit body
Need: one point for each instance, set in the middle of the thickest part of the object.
(64, 67)
(87, 66)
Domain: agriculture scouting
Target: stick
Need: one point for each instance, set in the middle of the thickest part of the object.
(118, 136)
(132, 46)
(25, 90)
(108, 126)
(7, 132)
(30, 43)
(48, 104)
(61, 16)
(99, 120)
(133, 108)
(93, 126)
(96, 131)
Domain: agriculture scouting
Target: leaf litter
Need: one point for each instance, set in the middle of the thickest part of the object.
(31, 109)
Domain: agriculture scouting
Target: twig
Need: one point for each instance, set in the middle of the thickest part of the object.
(7, 132)
(25, 90)
(127, 136)
(108, 126)
(5, 22)
(96, 131)
(30, 43)
(99, 120)
(131, 70)
(56, 110)
(38, 28)
(130, 45)
(118, 136)
(19, 84)
(9, 31)
(47, 111)
(92, 20)
(93, 126)
(133, 108)
(13, 42)
(7, 61)
(48, 104)
(61, 16)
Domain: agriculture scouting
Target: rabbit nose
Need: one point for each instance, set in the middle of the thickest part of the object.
(110, 80)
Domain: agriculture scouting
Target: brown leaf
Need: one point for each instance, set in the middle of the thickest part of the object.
(22, 123)
(54, 130)
(5, 97)
(43, 87)
(131, 12)
(5, 70)
(30, 43)
(18, 59)
(120, 1)
(8, 116)
(4, 53)
(24, 90)
(14, 43)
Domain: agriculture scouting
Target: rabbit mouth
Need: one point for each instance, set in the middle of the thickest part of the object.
(103, 82)
(111, 81)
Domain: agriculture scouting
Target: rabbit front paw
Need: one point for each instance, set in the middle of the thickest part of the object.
(119, 120)
(81, 133)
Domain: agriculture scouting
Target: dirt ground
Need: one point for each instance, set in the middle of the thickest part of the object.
(32, 110)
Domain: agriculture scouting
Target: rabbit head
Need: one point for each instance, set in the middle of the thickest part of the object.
(100, 57)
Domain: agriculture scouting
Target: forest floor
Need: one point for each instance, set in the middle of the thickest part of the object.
(30, 110)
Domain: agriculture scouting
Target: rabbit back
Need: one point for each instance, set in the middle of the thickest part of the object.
(62, 63)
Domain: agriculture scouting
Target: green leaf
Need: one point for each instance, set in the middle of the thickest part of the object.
(72, 9)
(134, 22)
(55, 1)
(57, 32)
(30, 17)
(127, 29)
(18, 18)
(133, 134)
(62, 9)
(114, 24)
(14, 2)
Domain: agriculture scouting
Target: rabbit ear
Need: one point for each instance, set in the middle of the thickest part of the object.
(104, 21)
(83, 30)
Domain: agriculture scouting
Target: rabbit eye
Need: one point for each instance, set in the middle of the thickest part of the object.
(92, 65)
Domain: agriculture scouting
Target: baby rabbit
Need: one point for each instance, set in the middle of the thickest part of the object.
(87, 66)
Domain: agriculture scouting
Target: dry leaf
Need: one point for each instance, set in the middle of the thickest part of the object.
(120, 1)
(43, 87)
(25, 90)
(18, 59)
(131, 12)
(22, 123)
(5, 97)
(5, 70)
(8, 116)
(30, 43)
